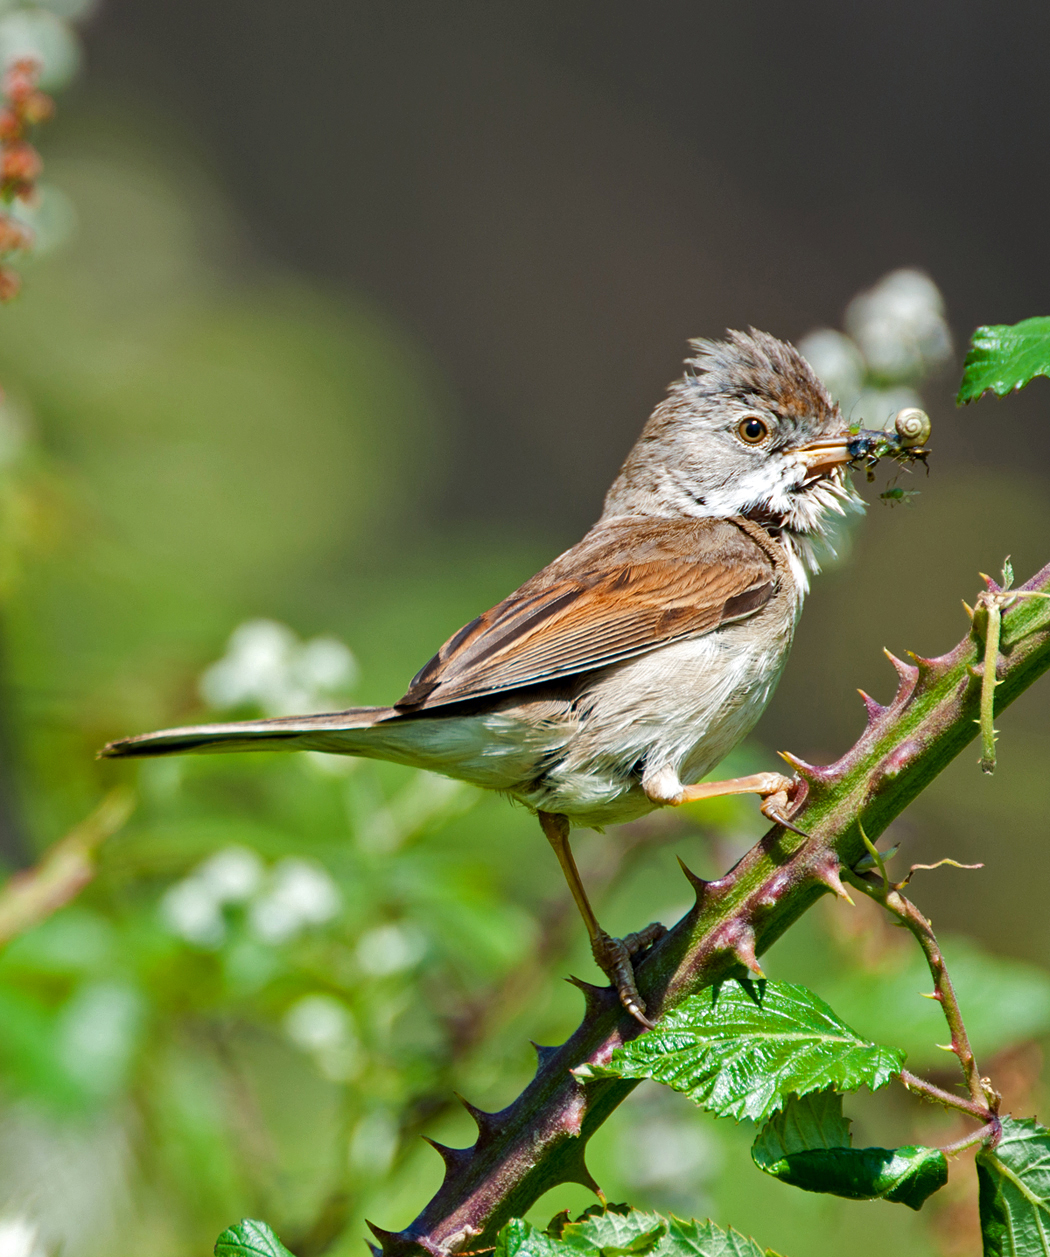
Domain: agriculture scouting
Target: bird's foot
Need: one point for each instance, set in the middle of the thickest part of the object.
(776, 791)
(613, 957)
(775, 804)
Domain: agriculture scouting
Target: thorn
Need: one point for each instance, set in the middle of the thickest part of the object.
(485, 1122)
(699, 885)
(931, 995)
(873, 708)
(740, 940)
(454, 1158)
(968, 609)
(993, 586)
(544, 1053)
(828, 875)
(596, 998)
(812, 774)
(908, 675)
(403, 1241)
(945, 1047)
(577, 1172)
(927, 668)
(385, 1238)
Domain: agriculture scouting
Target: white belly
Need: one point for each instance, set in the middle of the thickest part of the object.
(681, 708)
(684, 707)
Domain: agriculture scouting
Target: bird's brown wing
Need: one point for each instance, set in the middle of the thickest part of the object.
(627, 588)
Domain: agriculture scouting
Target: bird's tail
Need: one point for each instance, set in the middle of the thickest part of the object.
(333, 731)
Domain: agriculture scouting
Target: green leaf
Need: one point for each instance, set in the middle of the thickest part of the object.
(619, 1231)
(1005, 357)
(805, 1123)
(808, 1146)
(740, 1049)
(249, 1238)
(1014, 1182)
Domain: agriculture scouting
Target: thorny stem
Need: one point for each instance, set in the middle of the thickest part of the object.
(472, 1021)
(937, 1095)
(539, 1140)
(884, 892)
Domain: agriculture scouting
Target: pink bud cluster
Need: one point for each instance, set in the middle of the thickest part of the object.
(24, 106)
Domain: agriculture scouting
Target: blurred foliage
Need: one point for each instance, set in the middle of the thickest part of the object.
(285, 966)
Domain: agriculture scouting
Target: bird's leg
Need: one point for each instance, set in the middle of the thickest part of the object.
(612, 955)
(663, 787)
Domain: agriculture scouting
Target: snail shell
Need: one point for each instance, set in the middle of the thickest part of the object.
(913, 426)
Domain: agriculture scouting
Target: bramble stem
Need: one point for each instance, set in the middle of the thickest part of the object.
(539, 1140)
(937, 1095)
(889, 896)
(988, 1134)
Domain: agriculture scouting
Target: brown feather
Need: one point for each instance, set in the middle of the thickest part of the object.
(628, 587)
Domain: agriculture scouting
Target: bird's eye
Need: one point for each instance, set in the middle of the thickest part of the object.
(753, 430)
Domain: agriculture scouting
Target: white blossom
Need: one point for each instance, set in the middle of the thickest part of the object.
(300, 894)
(323, 1027)
(268, 666)
(232, 875)
(18, 1237)
(191, 910)
(389, 949)
(899, 326)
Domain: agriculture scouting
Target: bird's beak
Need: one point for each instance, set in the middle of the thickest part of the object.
(911, 431)
(826, 454)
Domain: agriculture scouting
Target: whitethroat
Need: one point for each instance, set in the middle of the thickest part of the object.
(618, 677)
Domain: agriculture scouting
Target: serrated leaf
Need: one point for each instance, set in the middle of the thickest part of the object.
(808, 1146)
(804, 1123)
(619, 1230)
(249, 1238)
(1014, 1182)
(740, 1049)
(1005, 357)
(704, 1239)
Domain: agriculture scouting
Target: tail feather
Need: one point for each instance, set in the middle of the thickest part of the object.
(291, 733)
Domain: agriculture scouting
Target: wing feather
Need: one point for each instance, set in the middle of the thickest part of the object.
(627, 588)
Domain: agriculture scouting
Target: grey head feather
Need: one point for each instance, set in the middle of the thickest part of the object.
(691, 461)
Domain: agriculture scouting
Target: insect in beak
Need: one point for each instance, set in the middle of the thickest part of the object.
(905, 443)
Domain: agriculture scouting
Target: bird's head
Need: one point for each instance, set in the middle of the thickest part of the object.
(748, 430)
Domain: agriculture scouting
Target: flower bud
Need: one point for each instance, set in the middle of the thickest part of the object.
(10, 284)
(20, 81)
(19, 163)
(10, 126)
(13, 235)
(37, 107)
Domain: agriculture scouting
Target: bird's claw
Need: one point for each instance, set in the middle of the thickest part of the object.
(774, 805)
(613, 957)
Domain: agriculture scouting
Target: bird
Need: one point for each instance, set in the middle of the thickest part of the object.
(618, 677)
